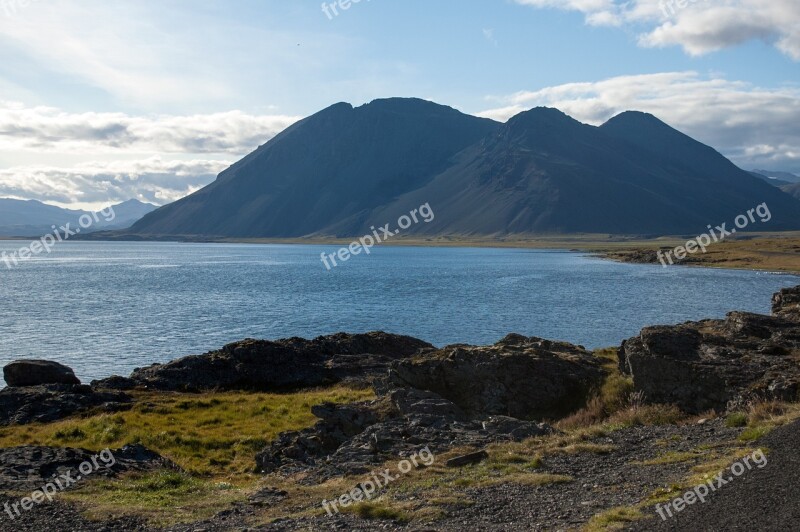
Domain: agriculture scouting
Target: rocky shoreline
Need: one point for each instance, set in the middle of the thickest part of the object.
(468, 404)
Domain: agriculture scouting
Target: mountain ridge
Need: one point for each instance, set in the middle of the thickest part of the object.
(345, 169)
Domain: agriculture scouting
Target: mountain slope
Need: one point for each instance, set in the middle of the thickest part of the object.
(335, 165)
(343, 170)
(794, 190)
(544, 172)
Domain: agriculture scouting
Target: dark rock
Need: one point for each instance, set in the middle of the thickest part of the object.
(525, 378)
(114, 382)
(354, 439)
(267, 497)
(44, 404)
(31, 467)
(719, 364)
(37, 372)
(786, 303)
(282, 365)
(467, 459)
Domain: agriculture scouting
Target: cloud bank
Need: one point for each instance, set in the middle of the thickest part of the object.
(698, 26)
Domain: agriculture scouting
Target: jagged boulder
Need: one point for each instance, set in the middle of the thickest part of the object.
(38, 372)
(281, 365)
(719, 364)
(524, 378)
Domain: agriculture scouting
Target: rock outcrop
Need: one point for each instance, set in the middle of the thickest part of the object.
(525, 378)
(45, 404)
(288, 364)
(354, 439)
(720, 364)
(37, 372)
(31, 467)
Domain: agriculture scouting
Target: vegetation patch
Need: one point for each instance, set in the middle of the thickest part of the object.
(211, 435)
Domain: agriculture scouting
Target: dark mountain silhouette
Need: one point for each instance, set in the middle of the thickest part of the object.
(345, 169)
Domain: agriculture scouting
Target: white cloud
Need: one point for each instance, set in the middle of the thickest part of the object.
(47, 128)
(95, 184)
(753, 126)
(700, 26)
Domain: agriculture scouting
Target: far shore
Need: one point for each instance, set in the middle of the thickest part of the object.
(773, 252)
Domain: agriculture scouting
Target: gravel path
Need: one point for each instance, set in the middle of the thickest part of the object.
(760, 499)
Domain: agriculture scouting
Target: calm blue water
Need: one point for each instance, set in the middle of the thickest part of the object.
(106, 308)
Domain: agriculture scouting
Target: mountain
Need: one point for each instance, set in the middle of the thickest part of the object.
(344, 170)
(33, 218)
(771, 180)
(793, 189)
(335, 165)
(781, 176)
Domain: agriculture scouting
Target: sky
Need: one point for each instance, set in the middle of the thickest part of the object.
(102, 101)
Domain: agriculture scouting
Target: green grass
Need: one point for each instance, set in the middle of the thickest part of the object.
(736, 420)
(163, 497)
(212, 435)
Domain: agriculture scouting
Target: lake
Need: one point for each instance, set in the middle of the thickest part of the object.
(107, 308)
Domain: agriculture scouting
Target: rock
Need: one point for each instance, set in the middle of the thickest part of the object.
(786, 303)
(114, 382)
(354, 439)
(30, 467)
(525, 378)
(719, 364)
(293, 363)
(37, 372)
(44, 404)
(468, 459)
(267, 497)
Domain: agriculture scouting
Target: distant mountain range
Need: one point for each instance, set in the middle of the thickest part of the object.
(789, 183)
(345, 169)
(34, 218)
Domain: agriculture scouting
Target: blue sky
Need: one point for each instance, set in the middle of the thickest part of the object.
(107, 100)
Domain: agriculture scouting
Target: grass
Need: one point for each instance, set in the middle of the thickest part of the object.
(163, 497)
(211, 435)
(614, 519)
(377, 510)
